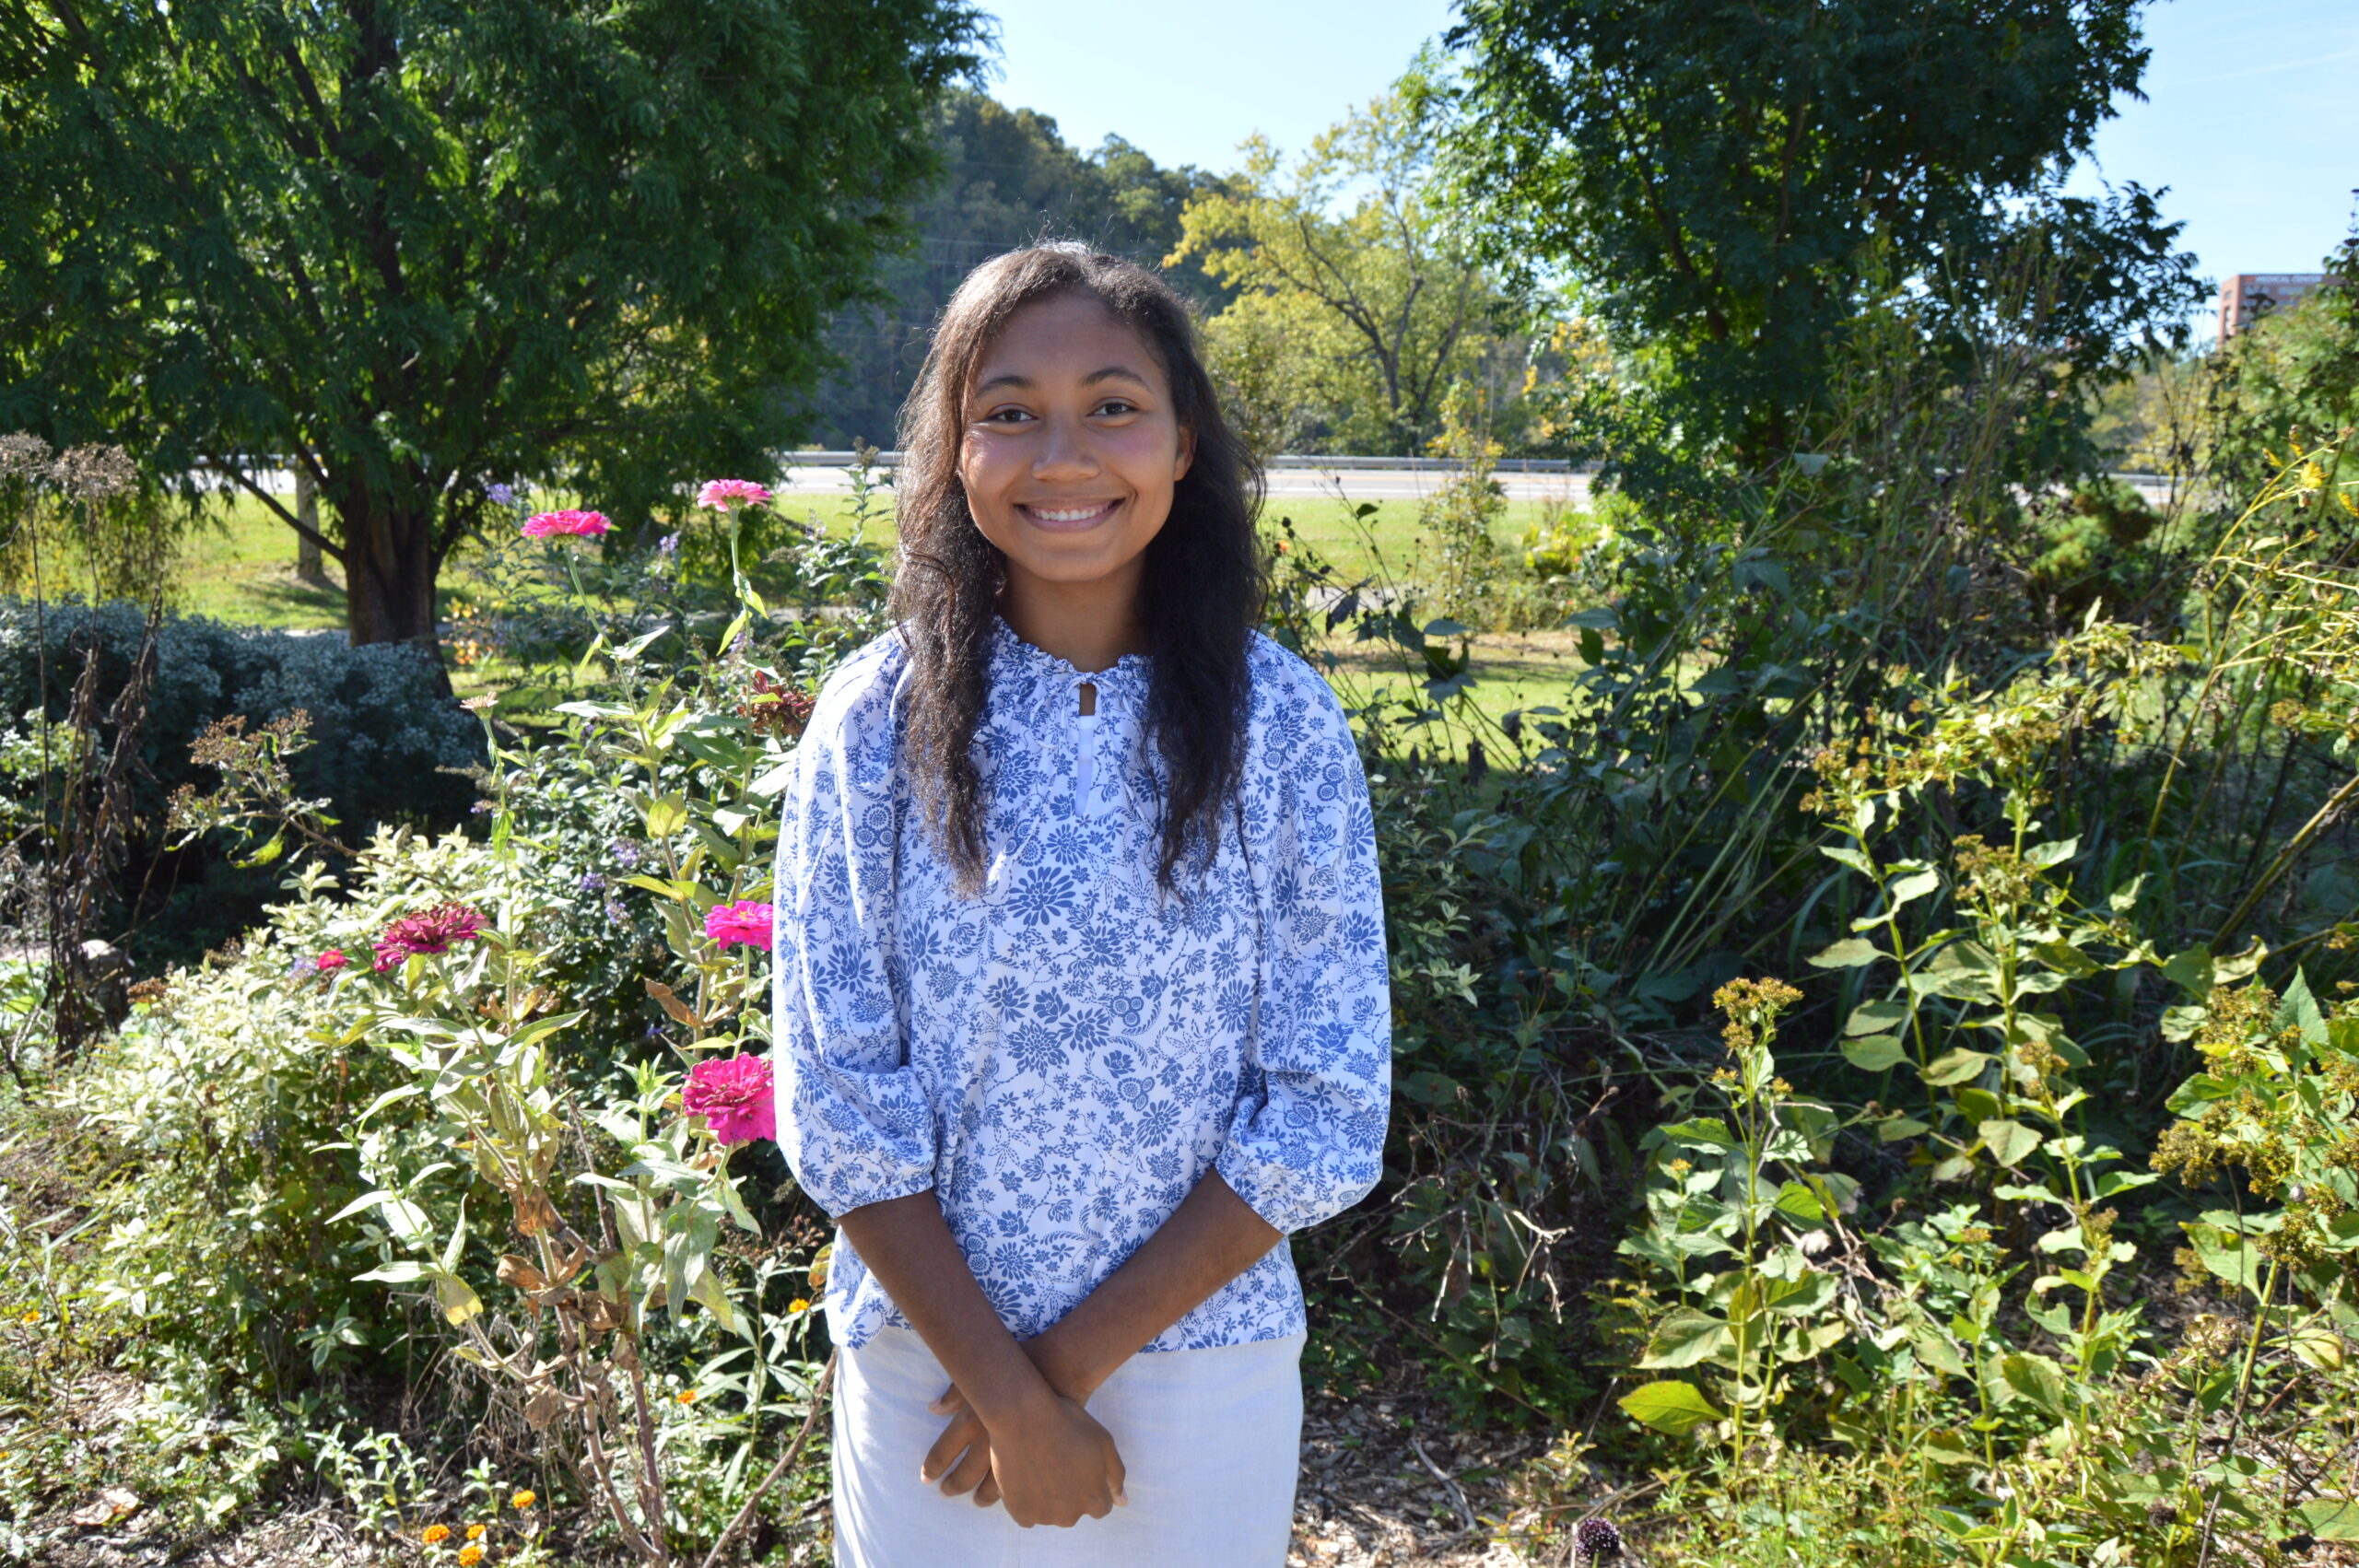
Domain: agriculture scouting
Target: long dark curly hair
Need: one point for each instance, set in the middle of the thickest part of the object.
(1201, 593)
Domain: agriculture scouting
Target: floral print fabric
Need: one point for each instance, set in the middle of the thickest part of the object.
(1063, 1055)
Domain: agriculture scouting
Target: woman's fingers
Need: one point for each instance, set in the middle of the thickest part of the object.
(986, 1492)
(963, 1437)
(972, 1470)
(950, 1402)
(1116, 1472)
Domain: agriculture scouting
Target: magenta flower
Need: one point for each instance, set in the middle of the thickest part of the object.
(747, 920)
(548, 525)
(432, 933)
(328, 963)
(734, 1095)
(727, 495)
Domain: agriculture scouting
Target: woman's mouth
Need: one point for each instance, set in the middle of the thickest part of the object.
(1071, 517)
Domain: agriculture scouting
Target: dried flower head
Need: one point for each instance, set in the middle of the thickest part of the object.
(776, 709)
(95, 473)
(1597, 1541)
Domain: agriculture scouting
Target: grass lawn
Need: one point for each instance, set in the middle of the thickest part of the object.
(241, 568)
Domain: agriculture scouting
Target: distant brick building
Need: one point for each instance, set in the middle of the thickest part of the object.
(2248, 294)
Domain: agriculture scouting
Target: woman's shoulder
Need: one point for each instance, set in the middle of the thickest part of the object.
(1289, 692)
(856, 701)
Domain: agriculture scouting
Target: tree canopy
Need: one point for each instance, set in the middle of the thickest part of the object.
(1360, 297)
(413, 245)
(1730, 184)
(1008, 179)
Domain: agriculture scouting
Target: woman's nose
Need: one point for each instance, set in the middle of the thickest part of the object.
(1067, 454)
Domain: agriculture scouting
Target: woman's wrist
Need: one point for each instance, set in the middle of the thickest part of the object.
(1071, 1362)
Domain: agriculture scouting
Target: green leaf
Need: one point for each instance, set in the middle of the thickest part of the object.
(1948, 1447)
(404, 1272)
(1683, 1338)
(1910, 888)
(2331, 1518)
(1843, 854)
(2038, 1380)
(1955, 1067)
(1875, 1017)
(2055, 854)
(1704, 1132)
(2010, 1142)
(2299, 1010)
(666, 817)
(2123, 899)
(1849, 954)
(457, 1299)
(1799, 1204)
(1675, 1408)
(1934, 1350)
(1875, 1053)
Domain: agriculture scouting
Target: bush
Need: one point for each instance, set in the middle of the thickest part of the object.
(390, 745)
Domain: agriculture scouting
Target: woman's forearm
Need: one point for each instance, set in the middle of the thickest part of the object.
(1209, 1240)
(908, 1245)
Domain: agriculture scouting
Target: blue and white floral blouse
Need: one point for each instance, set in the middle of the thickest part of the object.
(1063, 1057)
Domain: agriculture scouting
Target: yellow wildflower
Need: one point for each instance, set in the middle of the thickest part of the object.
(29, 1317)
(686, 1395)
(521, 1499)
(469, 1556)
(475, 1532)
(436, 1535)
(800, 1304)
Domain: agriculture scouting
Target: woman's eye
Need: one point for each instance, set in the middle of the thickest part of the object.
(1006, 416)
(1117, 405)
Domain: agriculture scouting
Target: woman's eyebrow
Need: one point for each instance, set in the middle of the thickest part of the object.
(1114, 373)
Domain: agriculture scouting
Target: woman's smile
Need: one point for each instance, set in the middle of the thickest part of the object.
(1066, 516)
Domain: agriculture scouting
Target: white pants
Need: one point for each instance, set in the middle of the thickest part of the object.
(1211, 1441)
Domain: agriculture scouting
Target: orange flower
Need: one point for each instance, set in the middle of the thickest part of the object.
(521, 1500)
(800, 1304)
(469, 1556)
(436, 1535)
(475, 1532)
(686, 1395)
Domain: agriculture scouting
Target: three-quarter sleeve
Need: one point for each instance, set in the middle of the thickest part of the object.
(853, 1120)
(1307, 1138)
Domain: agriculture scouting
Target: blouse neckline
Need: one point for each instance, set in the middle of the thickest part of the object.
(1039, 661)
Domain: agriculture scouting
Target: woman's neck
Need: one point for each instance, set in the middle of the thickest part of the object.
(1090, 625)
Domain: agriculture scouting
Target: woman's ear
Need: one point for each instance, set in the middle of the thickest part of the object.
(1186, 458)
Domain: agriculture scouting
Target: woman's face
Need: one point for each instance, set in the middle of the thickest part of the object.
(1071, 448)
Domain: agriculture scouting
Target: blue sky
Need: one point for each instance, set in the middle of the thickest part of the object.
(2252, 116)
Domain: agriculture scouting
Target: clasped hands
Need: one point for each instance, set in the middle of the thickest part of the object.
(1045, 1456)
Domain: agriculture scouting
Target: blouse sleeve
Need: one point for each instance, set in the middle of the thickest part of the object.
(852, 1118)
(1308, 1141)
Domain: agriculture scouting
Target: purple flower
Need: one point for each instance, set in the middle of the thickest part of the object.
(591, 882)
(624, 852)
(432, 933)
(504, 495)
(1596, 1540)
(616, 912)
(668, 545)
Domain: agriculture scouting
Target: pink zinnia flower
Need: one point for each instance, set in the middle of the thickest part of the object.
(726, 495)
(331, 961)
(734, 1095)
(747, 920)
(548, 525)
(432, 933)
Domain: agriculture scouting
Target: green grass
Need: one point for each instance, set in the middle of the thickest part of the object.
(241, 568)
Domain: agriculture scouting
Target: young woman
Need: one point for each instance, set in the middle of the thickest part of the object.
(1081, 995)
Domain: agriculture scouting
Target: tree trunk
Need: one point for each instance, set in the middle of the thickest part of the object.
(307, 512)
(389, 574)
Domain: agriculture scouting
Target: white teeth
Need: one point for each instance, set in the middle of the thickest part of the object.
(1045, 515)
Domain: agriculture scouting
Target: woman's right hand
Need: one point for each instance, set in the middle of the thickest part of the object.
(1053, 1464)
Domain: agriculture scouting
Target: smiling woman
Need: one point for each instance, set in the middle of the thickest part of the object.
(1082, 996)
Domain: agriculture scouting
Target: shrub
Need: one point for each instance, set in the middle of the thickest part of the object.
(389, 743)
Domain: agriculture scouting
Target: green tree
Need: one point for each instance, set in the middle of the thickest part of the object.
(1733, 184)
(1360, 299)
(412, 245)
(1008, 178)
